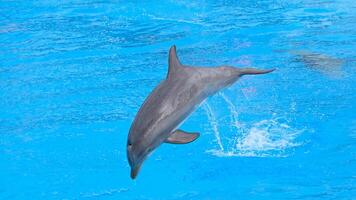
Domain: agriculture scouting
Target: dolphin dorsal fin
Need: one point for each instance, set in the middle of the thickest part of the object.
(173, 62)
(181, 137)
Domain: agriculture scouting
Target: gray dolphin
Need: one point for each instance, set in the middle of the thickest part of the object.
(183, 90)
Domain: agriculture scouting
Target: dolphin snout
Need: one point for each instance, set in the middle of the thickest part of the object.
(134, 171)
(135, 161)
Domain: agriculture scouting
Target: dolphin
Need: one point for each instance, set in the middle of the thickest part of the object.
(171, 102)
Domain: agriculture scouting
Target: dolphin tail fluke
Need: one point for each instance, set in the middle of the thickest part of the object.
(253, 71)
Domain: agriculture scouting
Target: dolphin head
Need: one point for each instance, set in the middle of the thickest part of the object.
(137, 151)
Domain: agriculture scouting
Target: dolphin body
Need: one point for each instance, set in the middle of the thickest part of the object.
(184, 89)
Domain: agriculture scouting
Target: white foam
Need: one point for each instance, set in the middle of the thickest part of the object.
(265, 138)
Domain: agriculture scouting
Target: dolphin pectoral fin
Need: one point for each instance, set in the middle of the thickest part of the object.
(181, 137)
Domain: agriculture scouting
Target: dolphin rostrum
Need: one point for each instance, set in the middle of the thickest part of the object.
(183, 90)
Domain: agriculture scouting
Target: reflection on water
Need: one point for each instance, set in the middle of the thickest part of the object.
(327, 65)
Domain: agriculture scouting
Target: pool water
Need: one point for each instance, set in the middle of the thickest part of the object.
(74, 74)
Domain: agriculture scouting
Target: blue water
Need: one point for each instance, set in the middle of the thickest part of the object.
(74, 74)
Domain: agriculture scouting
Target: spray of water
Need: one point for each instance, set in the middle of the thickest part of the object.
(265, 138)
(234, 113)
(213, 123)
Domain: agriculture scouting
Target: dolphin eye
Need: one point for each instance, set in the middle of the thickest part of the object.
(129, 144)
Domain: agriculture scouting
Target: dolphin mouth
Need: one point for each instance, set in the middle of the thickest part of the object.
(134, 171)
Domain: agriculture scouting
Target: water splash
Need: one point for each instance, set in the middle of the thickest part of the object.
(265, 138)
(268, 137)
(214, 124)
(233, 110)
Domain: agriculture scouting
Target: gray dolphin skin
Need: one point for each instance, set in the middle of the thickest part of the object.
(172, 101)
